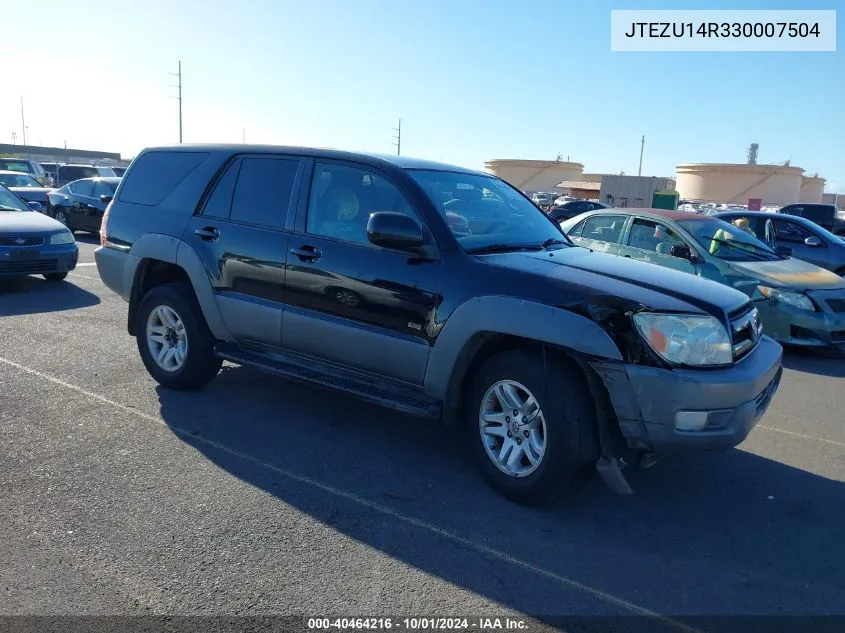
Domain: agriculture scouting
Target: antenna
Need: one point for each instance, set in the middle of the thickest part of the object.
(179, 86)
(753, 150)
(398, 138)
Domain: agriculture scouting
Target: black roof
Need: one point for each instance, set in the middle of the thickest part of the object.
(402, 162)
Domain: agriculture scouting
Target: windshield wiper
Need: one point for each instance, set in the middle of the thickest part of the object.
(5, 208)
(553, 240)
(740, 246)
(502, 248)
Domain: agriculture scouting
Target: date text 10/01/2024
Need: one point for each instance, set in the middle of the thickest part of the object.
(417, 624)
(723, 29)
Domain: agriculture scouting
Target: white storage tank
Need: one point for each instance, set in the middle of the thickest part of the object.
(725, 182)
(812, 189)
(534, 175)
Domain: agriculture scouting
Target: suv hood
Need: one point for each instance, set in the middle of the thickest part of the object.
(655, 287)
(27, 222)
(795, 274)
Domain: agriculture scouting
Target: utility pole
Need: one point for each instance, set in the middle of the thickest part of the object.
(398, 138)
(243, 136)
(14, 138)
(23, 122)
(642, 147)
(179, 86)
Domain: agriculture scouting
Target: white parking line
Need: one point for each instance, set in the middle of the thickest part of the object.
(801, 435)
(86, 264)
(85, 276)
(343, 494)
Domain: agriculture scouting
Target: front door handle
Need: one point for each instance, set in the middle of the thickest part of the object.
(209, 233)
(307, 253)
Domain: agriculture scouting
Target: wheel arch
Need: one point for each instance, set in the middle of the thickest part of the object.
(163, 259)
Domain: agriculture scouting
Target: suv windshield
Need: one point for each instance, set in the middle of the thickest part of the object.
(485, 213)
(14, 165)
(10, 202)
(727, 241)
(18, 180)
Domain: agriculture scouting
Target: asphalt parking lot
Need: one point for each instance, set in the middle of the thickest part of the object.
(256, 496)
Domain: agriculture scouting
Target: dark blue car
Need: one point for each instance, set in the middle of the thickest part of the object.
(31, 243)
(80, 204)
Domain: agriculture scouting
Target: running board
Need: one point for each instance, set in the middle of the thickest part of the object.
(394, 397)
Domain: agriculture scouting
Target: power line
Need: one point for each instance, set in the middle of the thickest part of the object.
(397, 138)
(642, 147)
(23, 122)
(179, 86)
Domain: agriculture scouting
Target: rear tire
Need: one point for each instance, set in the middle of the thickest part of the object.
(60, 215)
(568, 421)
(173, 338)
(55, 276)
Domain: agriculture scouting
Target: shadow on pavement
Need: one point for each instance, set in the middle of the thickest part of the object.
(32, 295)
(825, 363)
(87, 238)
(708, 534)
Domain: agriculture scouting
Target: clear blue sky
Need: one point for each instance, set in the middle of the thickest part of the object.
(471, 79)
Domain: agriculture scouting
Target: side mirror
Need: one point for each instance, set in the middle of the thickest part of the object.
(394, 230)
(786, 251)
(681, 251)
(105, 199)
(34, 205)
(813, 241)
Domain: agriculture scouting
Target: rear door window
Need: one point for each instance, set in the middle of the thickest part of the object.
(83, 188)
(790, 231)
(219, 203)
(604, 228)
(263, 191)
(156, 174)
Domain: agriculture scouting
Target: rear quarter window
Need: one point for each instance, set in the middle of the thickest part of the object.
(155, 174)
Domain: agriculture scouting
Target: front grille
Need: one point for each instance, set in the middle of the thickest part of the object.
(837, 305)
(15, 240)
(746, 330)
(28, 268)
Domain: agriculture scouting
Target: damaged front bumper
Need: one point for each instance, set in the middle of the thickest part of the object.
(667, 410)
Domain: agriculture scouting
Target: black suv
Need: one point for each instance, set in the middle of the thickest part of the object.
(348, 270)
(825, 215)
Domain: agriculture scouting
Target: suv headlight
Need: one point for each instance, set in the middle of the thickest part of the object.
(65, 237)
(795, 299)
(686, 340)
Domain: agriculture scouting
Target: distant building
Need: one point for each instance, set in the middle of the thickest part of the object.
(587, 190)
(632, 191)
(62, 155)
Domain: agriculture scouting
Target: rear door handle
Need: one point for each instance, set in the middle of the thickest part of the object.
(307, 253)
(209, 233)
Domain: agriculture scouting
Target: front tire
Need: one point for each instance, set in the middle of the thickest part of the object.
(547, 449)
(60, 215)
(173, 338)
(55, 276)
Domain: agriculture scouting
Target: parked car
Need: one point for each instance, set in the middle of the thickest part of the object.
(80, 205)
(800, 303)
(804, 238)
(570, 209)
(32, 243)
(825, 215)
(25, 187)
(465, 329)
(69, 173)
(27, 167)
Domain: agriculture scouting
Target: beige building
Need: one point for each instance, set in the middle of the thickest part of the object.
(535, 175)
(725, 182)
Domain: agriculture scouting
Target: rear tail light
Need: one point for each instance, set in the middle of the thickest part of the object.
(104, 240)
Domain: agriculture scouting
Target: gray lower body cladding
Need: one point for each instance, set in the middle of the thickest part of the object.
(646, 400)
